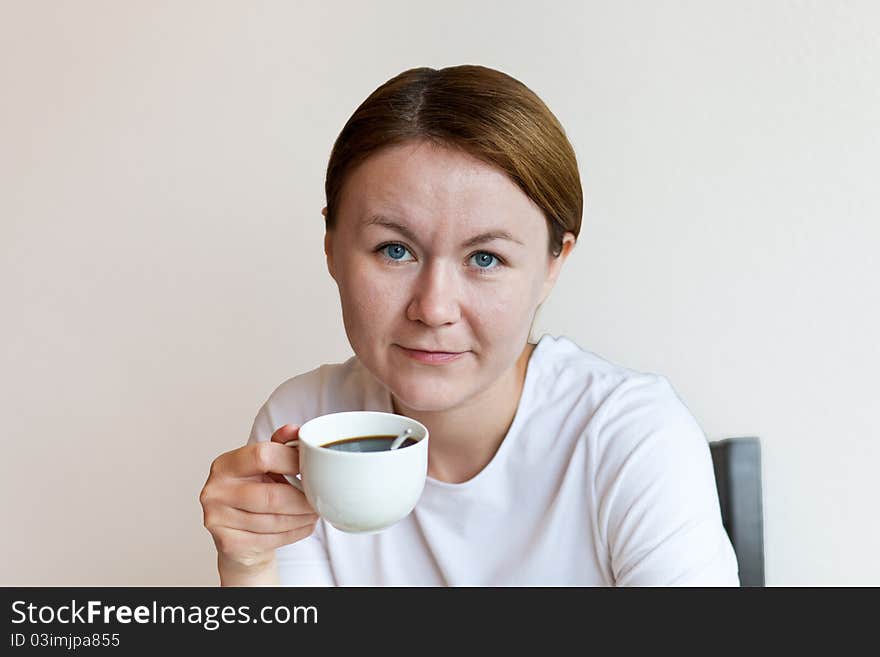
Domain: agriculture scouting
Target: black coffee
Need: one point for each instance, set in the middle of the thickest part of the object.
(367, 444)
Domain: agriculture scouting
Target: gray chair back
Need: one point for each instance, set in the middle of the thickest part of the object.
(737, 463)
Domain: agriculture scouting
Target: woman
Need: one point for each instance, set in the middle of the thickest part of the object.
(453, 200)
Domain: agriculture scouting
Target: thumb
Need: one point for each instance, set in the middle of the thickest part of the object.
(286, 433)
(283, 434)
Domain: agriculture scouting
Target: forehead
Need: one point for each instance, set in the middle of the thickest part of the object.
(428, 185)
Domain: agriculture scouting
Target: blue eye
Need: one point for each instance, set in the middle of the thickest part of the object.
(484, 259)
(393, 251)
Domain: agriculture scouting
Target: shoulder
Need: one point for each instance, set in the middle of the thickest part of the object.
(641, 436)
(645, 414)
(570, 367)
(569, 376)
(621, 408)
(328, 388)
(326, 377)
(648, 468)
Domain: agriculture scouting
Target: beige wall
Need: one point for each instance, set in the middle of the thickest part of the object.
(161, 180)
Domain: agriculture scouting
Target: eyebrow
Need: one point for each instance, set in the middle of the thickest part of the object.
(391, 224)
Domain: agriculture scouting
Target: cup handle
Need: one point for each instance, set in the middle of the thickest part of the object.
(293, 480)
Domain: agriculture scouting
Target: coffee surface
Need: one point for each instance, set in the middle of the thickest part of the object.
(367, 444)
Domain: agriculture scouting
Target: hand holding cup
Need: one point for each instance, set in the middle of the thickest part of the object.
(248, 507)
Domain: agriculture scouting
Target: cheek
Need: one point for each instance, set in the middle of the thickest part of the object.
(504, 309)
(368, 300)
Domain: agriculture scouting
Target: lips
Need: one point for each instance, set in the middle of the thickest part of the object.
(432, 357)
(434, 351)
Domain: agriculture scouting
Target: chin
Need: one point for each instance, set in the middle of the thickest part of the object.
(419, 397)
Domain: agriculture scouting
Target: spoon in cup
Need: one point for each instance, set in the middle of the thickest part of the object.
(400, 439)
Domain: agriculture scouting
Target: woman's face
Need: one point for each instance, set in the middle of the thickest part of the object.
(435, 251)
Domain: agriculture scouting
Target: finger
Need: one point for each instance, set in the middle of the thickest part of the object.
(285, 433)
(274, 541)
(259, 523)
(255, 459)
(237, 541)
(258, 497)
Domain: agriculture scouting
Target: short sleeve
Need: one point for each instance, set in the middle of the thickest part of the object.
(304, 563)
(658, 507)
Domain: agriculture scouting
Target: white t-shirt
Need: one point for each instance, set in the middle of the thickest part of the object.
(604, 478)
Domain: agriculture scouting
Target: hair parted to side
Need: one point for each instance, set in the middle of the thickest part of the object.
(481, 111)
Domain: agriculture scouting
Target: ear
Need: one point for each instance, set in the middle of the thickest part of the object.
(568, 242)
(328, 247)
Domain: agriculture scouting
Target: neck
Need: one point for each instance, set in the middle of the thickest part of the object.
(464, 439)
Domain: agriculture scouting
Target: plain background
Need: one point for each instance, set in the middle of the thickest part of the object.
(162, 168)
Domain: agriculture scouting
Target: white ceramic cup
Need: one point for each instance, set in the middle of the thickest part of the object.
(361, 492)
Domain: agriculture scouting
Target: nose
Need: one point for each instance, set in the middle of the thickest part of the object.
(435, 296)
